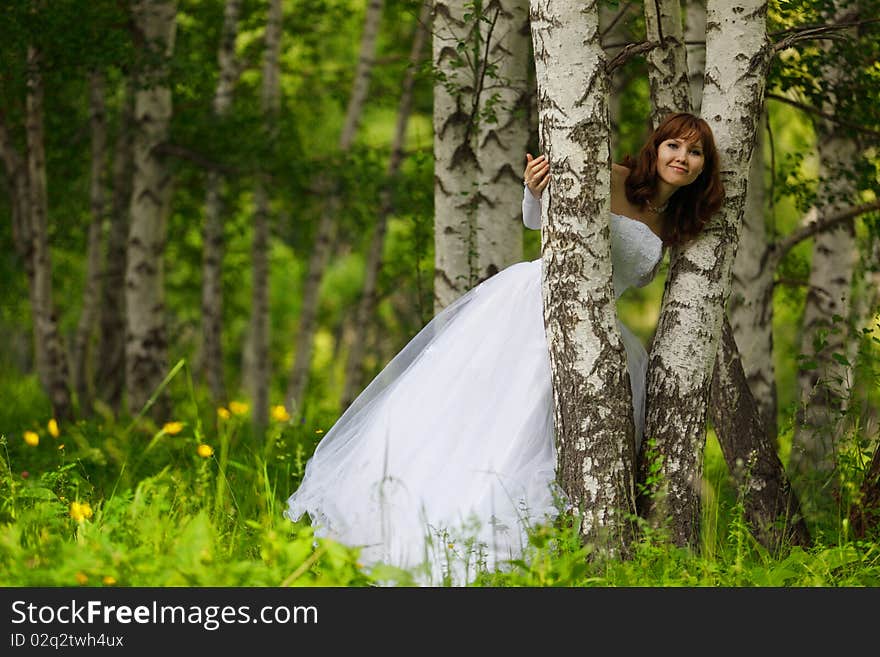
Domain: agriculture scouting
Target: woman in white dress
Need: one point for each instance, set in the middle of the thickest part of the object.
(447, 458)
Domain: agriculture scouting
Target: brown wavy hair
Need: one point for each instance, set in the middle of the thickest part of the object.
(691, 206)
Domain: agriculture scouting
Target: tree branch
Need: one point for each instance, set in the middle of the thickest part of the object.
(783, 246)
(806, 28)
(824, 115)
(630, 51)
(184, 153)
(824, 31)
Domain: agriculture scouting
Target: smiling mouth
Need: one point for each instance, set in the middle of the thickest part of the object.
(679, 169)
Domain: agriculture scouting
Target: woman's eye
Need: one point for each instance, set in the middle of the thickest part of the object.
(673, 145)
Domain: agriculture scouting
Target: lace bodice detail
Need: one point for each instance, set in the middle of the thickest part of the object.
(636, 251)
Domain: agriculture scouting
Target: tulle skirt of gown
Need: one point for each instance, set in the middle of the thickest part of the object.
(446, 459)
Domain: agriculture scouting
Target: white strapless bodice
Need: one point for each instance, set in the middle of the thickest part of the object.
(636, 251)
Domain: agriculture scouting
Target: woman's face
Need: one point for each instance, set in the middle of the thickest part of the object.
(679, 161)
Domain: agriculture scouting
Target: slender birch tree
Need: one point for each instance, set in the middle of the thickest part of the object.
(299, 373)
(354, 380)
(695, 47)
(824, 375)
(772, 510)
(502, 135)
(456, 57)
(594, 430)
(110, 367)
(212, 256)
(270, 102)
(146, 333)
(50, 350)
(667, 66)
(751, 297)
(686, 343)
(85, 329)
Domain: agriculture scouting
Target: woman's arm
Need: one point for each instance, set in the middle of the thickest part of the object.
(535, 179)
(531, 210)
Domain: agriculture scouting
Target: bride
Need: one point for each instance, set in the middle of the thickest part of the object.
(447, 458)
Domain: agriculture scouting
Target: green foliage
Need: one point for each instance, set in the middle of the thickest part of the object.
(153, 511)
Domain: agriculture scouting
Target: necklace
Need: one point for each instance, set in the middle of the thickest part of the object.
(657, 210)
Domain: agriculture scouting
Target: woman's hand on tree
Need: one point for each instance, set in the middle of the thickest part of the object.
(537, 174)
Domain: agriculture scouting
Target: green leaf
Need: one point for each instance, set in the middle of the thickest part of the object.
(38, 493)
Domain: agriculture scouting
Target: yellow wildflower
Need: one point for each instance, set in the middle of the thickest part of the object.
(82, 578)
(53, 428)
(319, 431)
(32, 438)
(239, 408)
(172, 428)
(109, 580)
(79, 511)
(223, 413)
(204, 450)
(280, 414)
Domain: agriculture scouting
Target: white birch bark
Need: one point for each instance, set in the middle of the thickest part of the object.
(592, 400)
(750, 307)
(501, 144)
(456, 167)
(50, 349)
(146, 334)
(270, 102)
(667, 64)
(299, 373)
(354, 380)
(85, 330)
(110, 367)
(771, 507)
(686, 342)
(213, 244)
(824, 387)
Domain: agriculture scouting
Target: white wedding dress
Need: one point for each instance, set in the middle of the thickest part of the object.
(446, 459)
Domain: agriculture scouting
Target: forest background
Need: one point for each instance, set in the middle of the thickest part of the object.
(279, 165)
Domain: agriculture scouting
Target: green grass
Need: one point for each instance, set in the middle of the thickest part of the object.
(161, 513)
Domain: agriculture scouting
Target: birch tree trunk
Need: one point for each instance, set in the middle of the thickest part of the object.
(864, 517)
(771, 507)
(146, 337)
(299, 374)
(614, 25)
(824, 385)
(50, 349)
(19, 194)
(751, 296)
(667, 64)
(92, 293)
(694, 35)
(686, 342)
(763, 485)
(456, 168)
(270, 102)
(213, 244)
(354, 379)
(110, 367)
(594, 430)
(503, 137)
